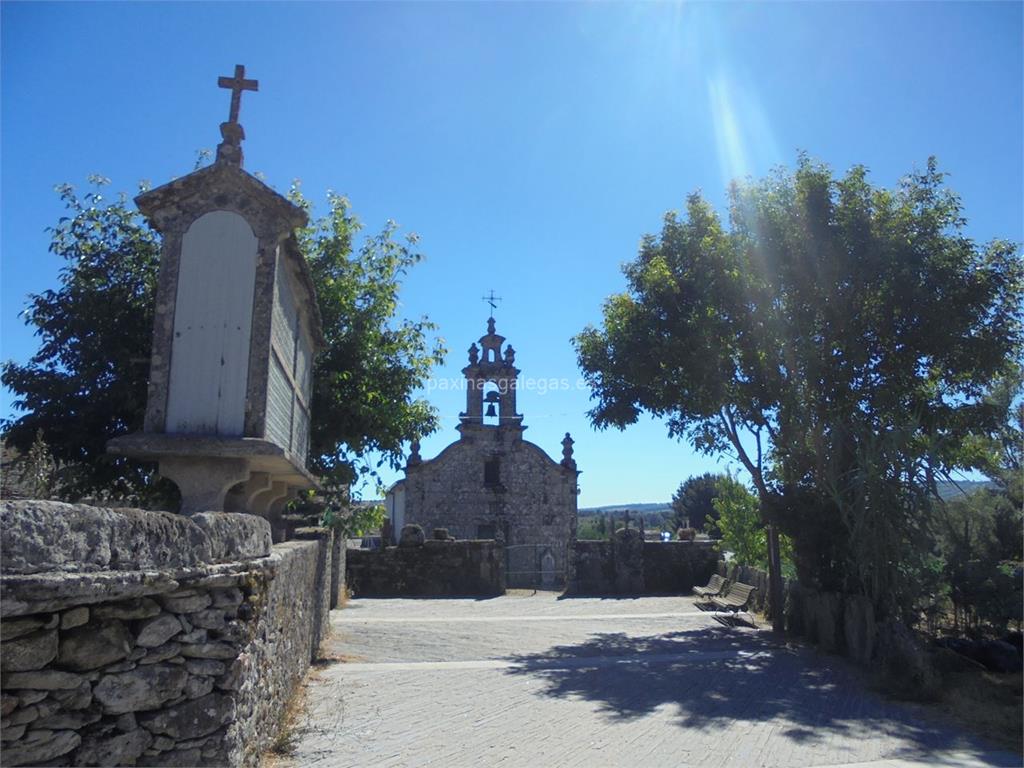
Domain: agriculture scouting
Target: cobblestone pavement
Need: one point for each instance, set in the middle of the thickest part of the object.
(533, 680)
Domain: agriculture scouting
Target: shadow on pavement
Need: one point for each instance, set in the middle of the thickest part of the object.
(717, 676)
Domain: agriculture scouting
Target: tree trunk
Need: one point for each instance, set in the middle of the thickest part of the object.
(775, 580)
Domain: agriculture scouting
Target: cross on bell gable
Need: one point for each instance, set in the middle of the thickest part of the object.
(492, 301)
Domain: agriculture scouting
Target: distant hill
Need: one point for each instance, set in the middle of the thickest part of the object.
(947, 490)
(648, 508)
(963, 488)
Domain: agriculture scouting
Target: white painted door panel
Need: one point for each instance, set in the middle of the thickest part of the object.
(212, 326)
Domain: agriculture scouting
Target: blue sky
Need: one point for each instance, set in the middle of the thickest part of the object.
(529, 145)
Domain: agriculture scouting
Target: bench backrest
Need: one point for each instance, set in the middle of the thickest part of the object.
(739, 592)
(716, 582)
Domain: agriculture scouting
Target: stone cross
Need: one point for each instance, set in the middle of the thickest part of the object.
(237, 84)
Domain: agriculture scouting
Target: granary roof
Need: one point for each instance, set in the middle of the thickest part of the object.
(220, 185)
(173, 207)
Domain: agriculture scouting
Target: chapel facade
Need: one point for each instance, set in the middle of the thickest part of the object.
(491, 483)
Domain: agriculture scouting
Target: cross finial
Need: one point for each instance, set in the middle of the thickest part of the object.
(492, 301)
(237, 84)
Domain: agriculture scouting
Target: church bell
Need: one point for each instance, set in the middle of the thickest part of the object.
(490, 410)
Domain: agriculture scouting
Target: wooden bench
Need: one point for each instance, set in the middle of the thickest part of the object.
(735, 598)
(714, 588)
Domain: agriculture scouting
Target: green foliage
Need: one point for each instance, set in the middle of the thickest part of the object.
(739, 519)
(591, 528)
(840, 340)
(1002, 450)
(692, 503)
(738, 516)
(980, 543)
(39, 471)
(87, 382)
(365, 379)
(354, 520)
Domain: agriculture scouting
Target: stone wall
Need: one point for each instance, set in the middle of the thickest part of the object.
(145, 638)
(757, 578)
(339, 551)
(677, 566)
(432, 568)
(591, 568)
(625, 564)
(843, 624)
(285, 637)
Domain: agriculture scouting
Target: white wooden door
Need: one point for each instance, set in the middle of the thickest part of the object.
(212, 326)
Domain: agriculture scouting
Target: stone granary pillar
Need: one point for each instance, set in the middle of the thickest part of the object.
(235, 333)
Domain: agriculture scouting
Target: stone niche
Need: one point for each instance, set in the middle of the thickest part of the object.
(235, 334)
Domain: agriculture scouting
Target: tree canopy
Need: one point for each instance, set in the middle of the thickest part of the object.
(692, 503)
(87, 381)
(742, 529)
(839, 339)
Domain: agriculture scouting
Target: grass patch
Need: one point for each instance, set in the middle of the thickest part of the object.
(287, 736)
(988, 704)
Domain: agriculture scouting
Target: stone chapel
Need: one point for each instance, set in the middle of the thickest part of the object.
(491, 483)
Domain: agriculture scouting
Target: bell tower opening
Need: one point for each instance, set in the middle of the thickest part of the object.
(492, 404)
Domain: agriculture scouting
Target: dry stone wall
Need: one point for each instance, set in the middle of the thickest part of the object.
(625, 564)
(837, 623)
(432, 568)
(123, 646)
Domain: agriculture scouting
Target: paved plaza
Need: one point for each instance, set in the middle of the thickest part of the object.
(534, 680)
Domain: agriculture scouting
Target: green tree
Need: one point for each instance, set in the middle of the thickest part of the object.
(590, 527)
(981, 536)
(979, 540)
(87, 382)
(838, 339)
(692, 504)
(740, 521)
(365, 380)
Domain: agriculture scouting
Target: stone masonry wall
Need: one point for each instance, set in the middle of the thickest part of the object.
(338, 557)
(843, 624)
(677, 566)
(121, 646)
(434, 568)
(292, 622)
(626, 564)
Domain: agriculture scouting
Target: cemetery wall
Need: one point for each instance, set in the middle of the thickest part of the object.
(626, 564)
(146, 638)
(677, 566)
(435, 568)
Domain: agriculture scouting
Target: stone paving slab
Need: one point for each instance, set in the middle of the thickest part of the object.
(539, 681)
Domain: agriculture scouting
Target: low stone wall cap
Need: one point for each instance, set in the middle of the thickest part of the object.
(46, 536)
